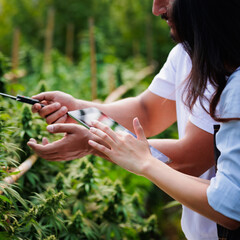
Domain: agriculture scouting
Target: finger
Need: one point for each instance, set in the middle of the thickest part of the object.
(138, 129)
(57, 115)
(45, 141)
(63, 128)
(49, 109)
(104, 136)
(100, 148)
(32, 140)
(59, 156)
(48, 96)
(62, 119)
(47, 151)
(36, 107)
(106, 129)
(54, 152)
(42, 149)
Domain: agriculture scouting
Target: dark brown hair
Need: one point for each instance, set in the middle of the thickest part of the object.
(210, 33)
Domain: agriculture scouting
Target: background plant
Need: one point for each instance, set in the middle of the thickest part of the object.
(87, 198)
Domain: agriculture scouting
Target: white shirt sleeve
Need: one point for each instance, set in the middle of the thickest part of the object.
(163, 83)
(199, 116)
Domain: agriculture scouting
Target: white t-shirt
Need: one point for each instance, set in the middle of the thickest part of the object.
(169, 83)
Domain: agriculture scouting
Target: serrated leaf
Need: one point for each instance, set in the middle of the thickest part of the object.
(5, 199)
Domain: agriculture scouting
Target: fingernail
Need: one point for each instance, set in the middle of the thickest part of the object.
(93, 121)
(135, 119)
(92, 129)
(57, 104)
(64, 109)
(50, 128)
(90, 142)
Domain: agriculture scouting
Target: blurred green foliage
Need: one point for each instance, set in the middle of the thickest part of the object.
(88, 198)
(124, 25)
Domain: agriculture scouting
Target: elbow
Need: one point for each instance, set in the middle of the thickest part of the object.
(235, 225)
(231, 224)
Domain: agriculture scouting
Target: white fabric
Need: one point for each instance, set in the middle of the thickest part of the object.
(169, 83)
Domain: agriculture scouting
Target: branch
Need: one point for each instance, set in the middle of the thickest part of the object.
(22, 169)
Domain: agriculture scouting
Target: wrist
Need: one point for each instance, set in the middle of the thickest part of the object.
(148, 166)
(76, 104)
(80, 104)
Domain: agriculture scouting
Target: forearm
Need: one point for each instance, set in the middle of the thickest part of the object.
(134, 155)
(122, 111)
(155, 113)
(192, 154)
(189, 191)
(184, 158)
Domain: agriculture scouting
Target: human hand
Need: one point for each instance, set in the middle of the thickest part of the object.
(159, 7)
(57, 104)
(73, 145)
(124, 149)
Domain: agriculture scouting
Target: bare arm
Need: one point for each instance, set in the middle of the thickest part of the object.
(155, 113)
(188, 190)
(134, 155)
(74, 144)
(191, 155)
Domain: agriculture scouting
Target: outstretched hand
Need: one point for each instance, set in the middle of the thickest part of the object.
(125, 150)
(73, 145)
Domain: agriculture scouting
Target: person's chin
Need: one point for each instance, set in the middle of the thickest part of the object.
(174, 36)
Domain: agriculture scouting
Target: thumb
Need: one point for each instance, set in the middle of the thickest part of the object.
(138, 129)
(45, 141)
(48, 96)
(62, 128)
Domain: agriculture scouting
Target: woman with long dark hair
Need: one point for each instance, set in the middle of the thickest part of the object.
(209, 30)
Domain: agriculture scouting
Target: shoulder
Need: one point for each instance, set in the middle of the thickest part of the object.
(178, 60)
(229, 105)
(178, 51)
(173, 72)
